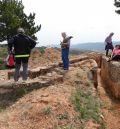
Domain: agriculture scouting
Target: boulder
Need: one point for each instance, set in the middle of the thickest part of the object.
(110, 74)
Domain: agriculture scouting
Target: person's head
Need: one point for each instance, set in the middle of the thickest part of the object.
(111, 34)
(63, 34)
(20, 30)
(117, 46)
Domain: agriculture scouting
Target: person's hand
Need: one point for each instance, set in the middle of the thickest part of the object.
(71, 37)
(9, 52)
(60, 42)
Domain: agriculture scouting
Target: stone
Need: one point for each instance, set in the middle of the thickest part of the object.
(110, 74)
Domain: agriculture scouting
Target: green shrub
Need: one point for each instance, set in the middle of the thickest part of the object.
(3, 52)
(86, 105)
(1, 61)
(42, 50)
(47, 110)
(3, 67)
(19, 92)
(63, 116)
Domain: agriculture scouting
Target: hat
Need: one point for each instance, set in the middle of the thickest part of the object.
(111, 33)
(20, 30)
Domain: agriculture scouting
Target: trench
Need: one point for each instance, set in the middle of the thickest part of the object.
(110, 105)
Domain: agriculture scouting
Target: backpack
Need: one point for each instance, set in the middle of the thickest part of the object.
(10, 60)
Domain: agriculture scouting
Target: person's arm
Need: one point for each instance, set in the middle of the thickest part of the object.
(66, 41)
(10, 44)
(106, 40)
(61, 42)
(32, 43)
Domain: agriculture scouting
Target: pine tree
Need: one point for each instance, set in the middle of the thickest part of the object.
(12, 16)
(117, 4)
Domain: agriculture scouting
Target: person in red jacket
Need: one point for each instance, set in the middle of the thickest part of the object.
(22, 47)
(115, 54)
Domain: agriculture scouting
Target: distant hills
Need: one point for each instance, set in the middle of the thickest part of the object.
(96, 46)
(90, 46)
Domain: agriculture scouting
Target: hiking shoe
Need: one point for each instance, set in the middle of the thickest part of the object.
(66, 69)
(24, 81)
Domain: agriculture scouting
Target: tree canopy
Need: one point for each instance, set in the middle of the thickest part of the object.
(12, 16)
(117, 4)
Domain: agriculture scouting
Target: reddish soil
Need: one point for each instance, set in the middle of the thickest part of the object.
(111, 108)
(50, 107)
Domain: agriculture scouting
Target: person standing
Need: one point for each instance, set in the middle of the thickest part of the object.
(65, 46)
(22, 47)
(108, 43)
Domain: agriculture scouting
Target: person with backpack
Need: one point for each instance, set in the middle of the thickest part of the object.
(23, 45)
(108, 43)
(65, 46)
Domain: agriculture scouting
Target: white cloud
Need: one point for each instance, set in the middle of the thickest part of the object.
(86, 20)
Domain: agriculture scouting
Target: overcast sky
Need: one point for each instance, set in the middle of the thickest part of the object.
(85, 20)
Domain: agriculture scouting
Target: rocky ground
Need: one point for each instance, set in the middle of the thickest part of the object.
(71, 102)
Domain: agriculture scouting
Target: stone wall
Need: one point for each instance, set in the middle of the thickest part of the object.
(110, 74)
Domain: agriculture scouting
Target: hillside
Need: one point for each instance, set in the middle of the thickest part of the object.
(90, 46)
(55, 99)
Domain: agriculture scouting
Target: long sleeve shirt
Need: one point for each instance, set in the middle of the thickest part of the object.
(108, 39)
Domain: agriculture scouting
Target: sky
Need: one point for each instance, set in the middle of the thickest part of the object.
(85, 20)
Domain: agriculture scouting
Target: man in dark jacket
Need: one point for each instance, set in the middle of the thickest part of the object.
(22, 47)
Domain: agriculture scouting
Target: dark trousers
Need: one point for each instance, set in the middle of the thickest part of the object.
(18, 62)
(107, 50)
(65, 58)
(116, 58)
(107, 47)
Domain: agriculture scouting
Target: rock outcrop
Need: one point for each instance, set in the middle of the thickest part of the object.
(110, 74)
(97, 57)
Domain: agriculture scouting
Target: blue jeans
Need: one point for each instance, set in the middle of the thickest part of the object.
(65, 58)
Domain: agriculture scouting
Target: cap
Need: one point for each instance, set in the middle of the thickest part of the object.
(111, 33)
(20, 30)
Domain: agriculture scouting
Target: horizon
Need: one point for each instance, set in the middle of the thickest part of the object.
(5, 42)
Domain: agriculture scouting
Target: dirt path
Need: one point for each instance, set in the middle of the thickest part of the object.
(110, 108)
(46, 108)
